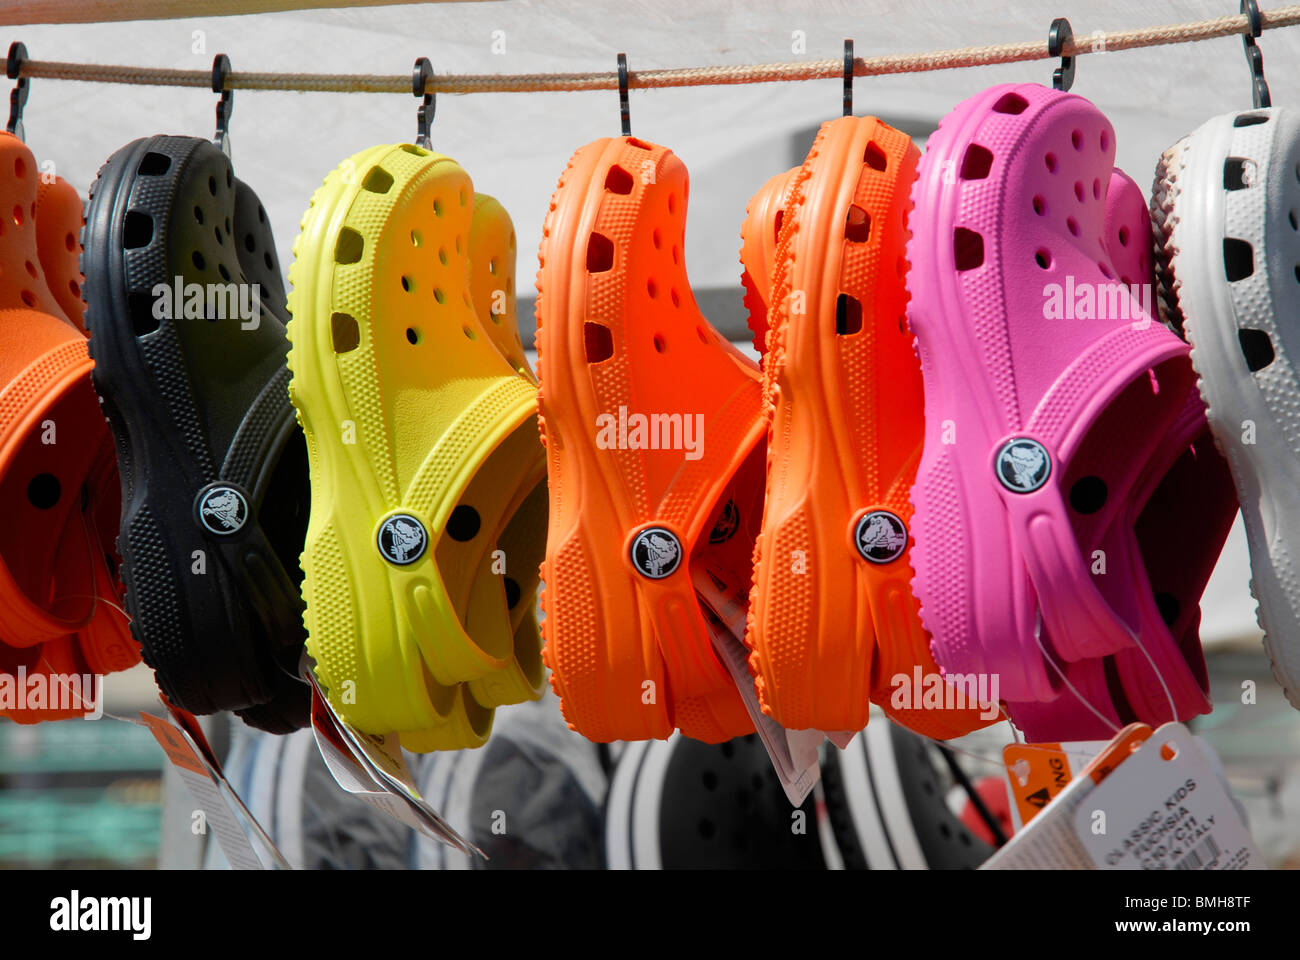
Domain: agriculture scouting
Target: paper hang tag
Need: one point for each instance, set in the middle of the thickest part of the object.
(1037, 772)
(373, 769)
(238, 833)
(1165, 808)
(793, 752)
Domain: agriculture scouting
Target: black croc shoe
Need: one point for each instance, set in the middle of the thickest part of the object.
(186, 312)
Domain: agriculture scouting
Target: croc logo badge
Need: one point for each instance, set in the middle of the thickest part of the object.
(727, 524)
(1023, 465)
(402, 539)
(881, 537)
(656, 553)
(222, 509)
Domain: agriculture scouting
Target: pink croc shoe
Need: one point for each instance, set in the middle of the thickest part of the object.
(1049, 392)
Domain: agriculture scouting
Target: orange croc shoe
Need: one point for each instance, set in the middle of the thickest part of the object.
(653, 423)
(832, 621)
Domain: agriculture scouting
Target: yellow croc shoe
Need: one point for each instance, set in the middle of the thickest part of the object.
(422, 447)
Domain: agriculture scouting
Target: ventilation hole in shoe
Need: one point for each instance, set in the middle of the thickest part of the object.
(600, 253)
(1123, 236)
(464, 197)
(1256, 347)
(599, 342)
(655, 238)
(29, 298)
(652, 288)
(18, 216)
(977, 162)
(216, 231)
(349, 247)
(437, 207)
(225, 274)
(1012, 103)
(44, 491)
(967, 248)
(874, 157)
(848, 315)
(250, 242)
(857, 225)
(137, 230)
(74, 288)
(1096, 189)
(229, 232)
(1238, 258)
(412, 336)
(378, 180)
(416, 239)
(440, 295)
(20, 168)
(463, 524)
(639, 144)
(1050, 160)
(776, 224)
(140, 308)
(1105, 270)
(345, 334)
(1076, 139)
(1235, 173)
(267, 261)
(1088, 494)
(230, 179)
(261, 215)
(1040, 206)
(154, 164)
(1072, 225)
(704, 337)
(1295, 224)
(1105, 141)
(513, 592)
(197, 259)
(672, 203)
(661, 345)
(31, 268)
(492, 267)
(676, 256)
(1169, 608)
(1078, 190)
(1249, 119)
(1297, 273)
(1043, 259)
(212, 185)
(469, 332)
(407, 283)
(618, 180)
(442, 255)
(902, 324)
(672, 295)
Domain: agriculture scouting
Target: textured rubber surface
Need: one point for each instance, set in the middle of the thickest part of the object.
(842, 389)
(1017, 193)
(631, 527)
(426, 638)
(195, 390)
(59, 591)
(1225, 203)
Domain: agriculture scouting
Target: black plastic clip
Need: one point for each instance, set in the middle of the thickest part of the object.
(1258, 85)
(848, 78)
(623, 112)
(1058, 38)
(421, 76)
(226, 105)
(18, 98)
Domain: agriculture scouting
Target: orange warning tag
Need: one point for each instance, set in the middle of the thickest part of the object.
(1117, 751)
(1037, 772)
(174, 744)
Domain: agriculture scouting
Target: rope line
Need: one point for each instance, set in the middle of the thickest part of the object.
(833, 68)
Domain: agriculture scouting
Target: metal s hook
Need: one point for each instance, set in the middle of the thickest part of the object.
(624, 113)
(18, 98)
(226, 105)
(1058, 38)
(1254, 58)
(848, 77)
(421, 77)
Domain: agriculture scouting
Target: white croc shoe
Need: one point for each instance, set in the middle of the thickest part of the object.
(1226, 213)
